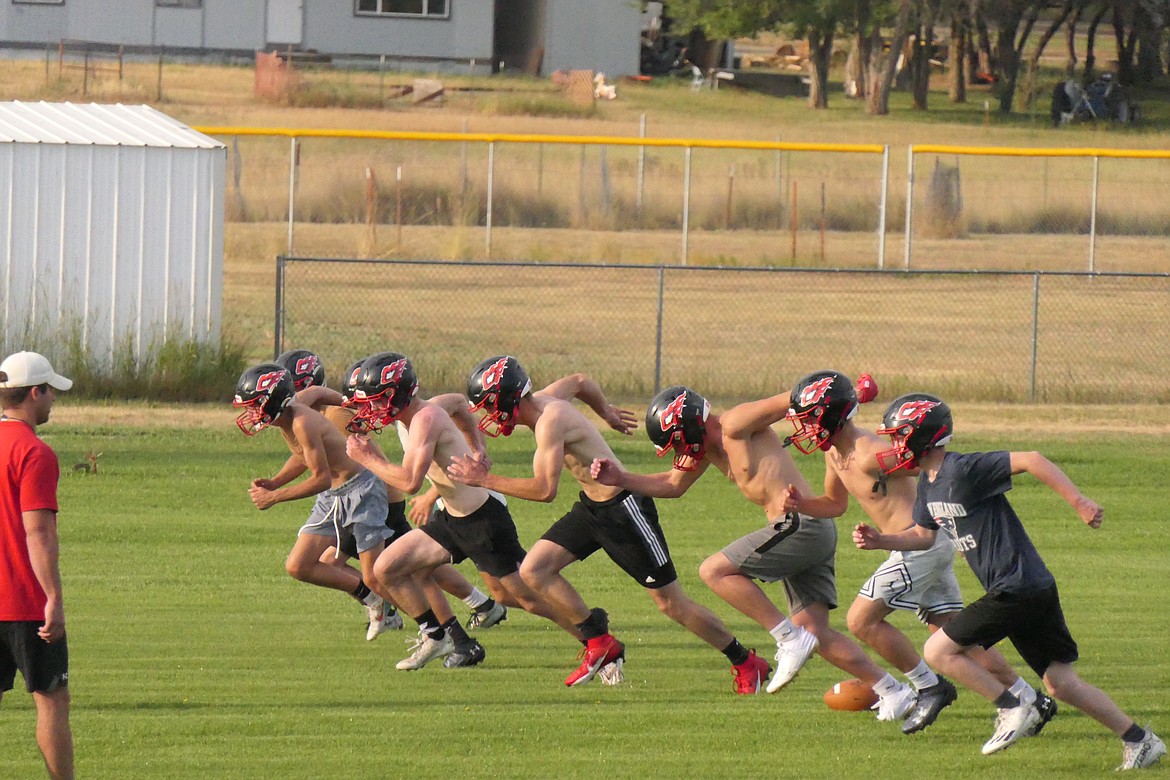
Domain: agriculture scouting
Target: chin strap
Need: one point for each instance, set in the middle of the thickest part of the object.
(881, 484)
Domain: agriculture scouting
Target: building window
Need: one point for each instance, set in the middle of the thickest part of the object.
(430, 8)
(179, 3)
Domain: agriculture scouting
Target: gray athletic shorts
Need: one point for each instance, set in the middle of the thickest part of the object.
(920, 580)
(359, 506)
(796, 550)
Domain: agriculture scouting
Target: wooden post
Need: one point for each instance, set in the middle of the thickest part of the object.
(792, 220)
(730, 196)
(398, 205)
(158, 86)
(371, 209)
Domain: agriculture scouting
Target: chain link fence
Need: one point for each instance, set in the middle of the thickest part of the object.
(739, 333)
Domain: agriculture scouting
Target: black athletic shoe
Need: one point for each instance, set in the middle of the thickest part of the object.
(931, 701)
(1046, 706)
(466, 656)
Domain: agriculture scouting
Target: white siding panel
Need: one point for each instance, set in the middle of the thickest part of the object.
(75, 239)
(103, 218)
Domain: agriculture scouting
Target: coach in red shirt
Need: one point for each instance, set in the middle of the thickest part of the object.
(32, 611)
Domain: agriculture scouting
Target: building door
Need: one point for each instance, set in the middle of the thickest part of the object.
(286, 22)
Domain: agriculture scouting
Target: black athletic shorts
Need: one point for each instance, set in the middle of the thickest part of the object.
(487, 536)
(1034, 622)
(626, 527)
(395, 520)
(45, 666)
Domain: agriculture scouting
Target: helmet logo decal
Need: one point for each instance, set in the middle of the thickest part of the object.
(914, 410)
(494, 373)
(306, 365)
(815, 391)
(267, 381)
(672, 414)
(354, 376)
(392, 373)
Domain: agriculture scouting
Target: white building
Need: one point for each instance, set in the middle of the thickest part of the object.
(111, 229)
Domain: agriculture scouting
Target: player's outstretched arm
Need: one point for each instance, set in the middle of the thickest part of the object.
(318, 396)
(458, 409)
(740, 422)
(292, 468)
(832, 503)
(666, 484)
(421, 506)
(587, 390)
(40, 527)
(1050, 474)
(547, 464)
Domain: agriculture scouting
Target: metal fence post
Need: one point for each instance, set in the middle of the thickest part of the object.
(491, 182)
(882, 207)
(1035, 334)
(293, 160)
(909, 203)
(686, 216)
(641, 166)
(1093, 219)
(658, 337)
(278, 319)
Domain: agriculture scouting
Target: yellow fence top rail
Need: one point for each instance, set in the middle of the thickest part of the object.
(1010, 151)
(525, 138)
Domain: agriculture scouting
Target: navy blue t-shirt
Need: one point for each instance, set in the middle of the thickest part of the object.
(967, 501)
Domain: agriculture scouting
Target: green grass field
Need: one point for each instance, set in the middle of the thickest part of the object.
(195, 656)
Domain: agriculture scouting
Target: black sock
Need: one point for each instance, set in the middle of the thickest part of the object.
(362, 591)
(593, 626)
(487, 605)
(1007, 700)
(457, 633)
(1134, 733)
(429, 624)
(735, 652)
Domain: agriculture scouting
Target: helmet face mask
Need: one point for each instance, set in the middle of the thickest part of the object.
(262, 393)
(915, 423)
(305, 368)
(676, 422)
(383, 386)
(819, 406)
(496, 387)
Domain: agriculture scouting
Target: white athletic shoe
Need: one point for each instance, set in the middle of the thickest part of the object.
(1010, 725)
(425, 650)
(1142, 754)
(897, 704)
(612, 674)
(791, 656)
(488, 618)
(384, 618)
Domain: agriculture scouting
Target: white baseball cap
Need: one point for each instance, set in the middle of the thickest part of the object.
(29, 369)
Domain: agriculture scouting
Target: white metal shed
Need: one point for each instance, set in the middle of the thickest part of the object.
(111, 229)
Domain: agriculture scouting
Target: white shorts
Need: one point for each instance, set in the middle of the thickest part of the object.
(919, 580)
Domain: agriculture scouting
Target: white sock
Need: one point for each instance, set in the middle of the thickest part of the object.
(1022, 691)
(886, 685)
(783, 631)
(372, 599)
(921, 676)
(475, 599)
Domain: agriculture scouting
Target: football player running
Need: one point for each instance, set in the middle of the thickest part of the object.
(350, 500)
(308, 375)
(472, 522)
(795, 549)
(964, 494)
(604, 517)
(822, 406)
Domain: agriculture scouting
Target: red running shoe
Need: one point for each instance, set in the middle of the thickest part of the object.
(597, 653)
(751, 674)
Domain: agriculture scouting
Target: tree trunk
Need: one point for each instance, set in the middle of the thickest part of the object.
(923, 49)
(957, 59)
(987, 63)
(1070, 67)
(1034, 59)
(883, 62)
(1149, 58)
(1010, 46)
(855, 66)
(820, 51)
(1126, 37)
(1090, 45)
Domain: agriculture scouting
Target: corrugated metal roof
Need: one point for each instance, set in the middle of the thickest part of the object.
(93, 123)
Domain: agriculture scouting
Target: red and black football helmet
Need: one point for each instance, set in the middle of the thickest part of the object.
(384, 385)
(349, 380)
(915, 422)
(819, 405)
(496, 386)
(306, 368)
(676, 420)
(262, 392)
